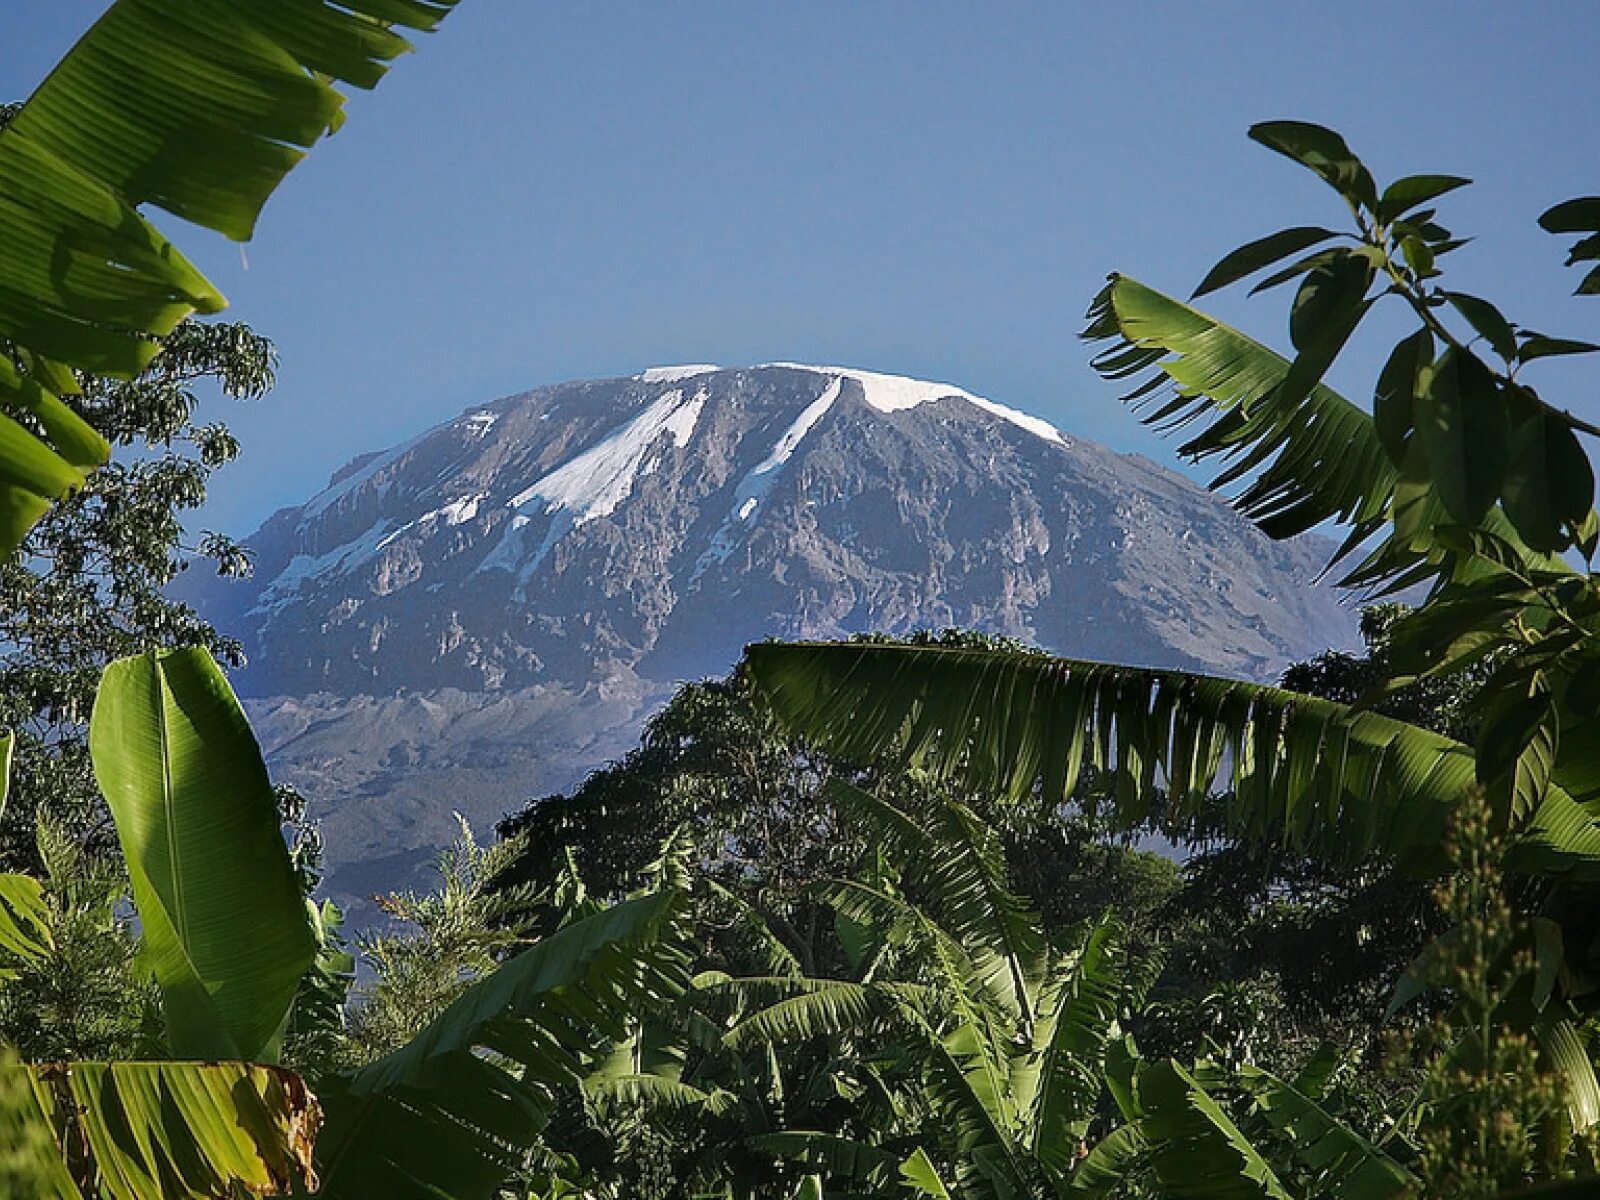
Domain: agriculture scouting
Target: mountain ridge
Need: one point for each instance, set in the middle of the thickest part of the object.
(544, 568)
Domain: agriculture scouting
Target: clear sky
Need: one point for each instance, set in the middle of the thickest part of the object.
(935, 188)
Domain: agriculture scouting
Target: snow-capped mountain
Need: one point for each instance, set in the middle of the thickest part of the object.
(482, 613)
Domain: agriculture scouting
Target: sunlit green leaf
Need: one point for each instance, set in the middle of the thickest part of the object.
(1315, 458)
(225, 926)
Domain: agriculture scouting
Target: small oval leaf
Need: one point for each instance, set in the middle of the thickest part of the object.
(1488, 321)
(1323, 151)
(1403, 195)
(1572, 216)
(1262, 252)
(1537, 345)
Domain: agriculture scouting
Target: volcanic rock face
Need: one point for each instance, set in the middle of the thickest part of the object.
(483, 613)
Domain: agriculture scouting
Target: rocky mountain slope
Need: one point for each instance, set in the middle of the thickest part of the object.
(482, 613)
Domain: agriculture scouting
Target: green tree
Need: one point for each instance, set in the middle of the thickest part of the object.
(88, 585)
(438, 945)
(82, 996)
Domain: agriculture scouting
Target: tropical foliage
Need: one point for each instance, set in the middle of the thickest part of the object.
(792, 958)
(198, 109)
(1460, 478)
(87, 585)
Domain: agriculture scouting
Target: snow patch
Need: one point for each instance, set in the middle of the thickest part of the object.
(459, 512)
(792, 436)
(895, 393)
(595, 482)
(304, 568)
(753, 488)
(330, 496)
(675, 374)
(480, 422)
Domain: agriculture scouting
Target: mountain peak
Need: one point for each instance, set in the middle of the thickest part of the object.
(896, 393)
(545, 567)
(675, 374)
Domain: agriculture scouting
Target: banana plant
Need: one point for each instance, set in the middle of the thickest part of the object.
(1459, 476)
(227, 934)
(1460, 473)
(224, 924)
(1232, 1134)
(995, 1039)
(199, 109)
(457, 1111)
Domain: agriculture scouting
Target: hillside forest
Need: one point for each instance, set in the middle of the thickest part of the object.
(940, 916)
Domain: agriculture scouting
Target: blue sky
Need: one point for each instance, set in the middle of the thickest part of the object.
(555, 190)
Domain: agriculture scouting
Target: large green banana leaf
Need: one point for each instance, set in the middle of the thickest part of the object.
(814, 1008)
(225, 925)
(454, 1113)
(1080, 1025)
(198, 107)
(139, 1131)
(1194, 1148)
(1308, 459)
(153, 1130)
(1312, 774)
(24, 921)
(1318, 458)
(1342, 1162)
(920, 1175)
(1109, 1164)
(1177, 1130)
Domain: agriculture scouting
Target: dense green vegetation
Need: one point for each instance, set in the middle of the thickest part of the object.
(864, 919)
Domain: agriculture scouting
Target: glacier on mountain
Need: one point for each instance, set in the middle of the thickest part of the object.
(896, 393)
(596, 481)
